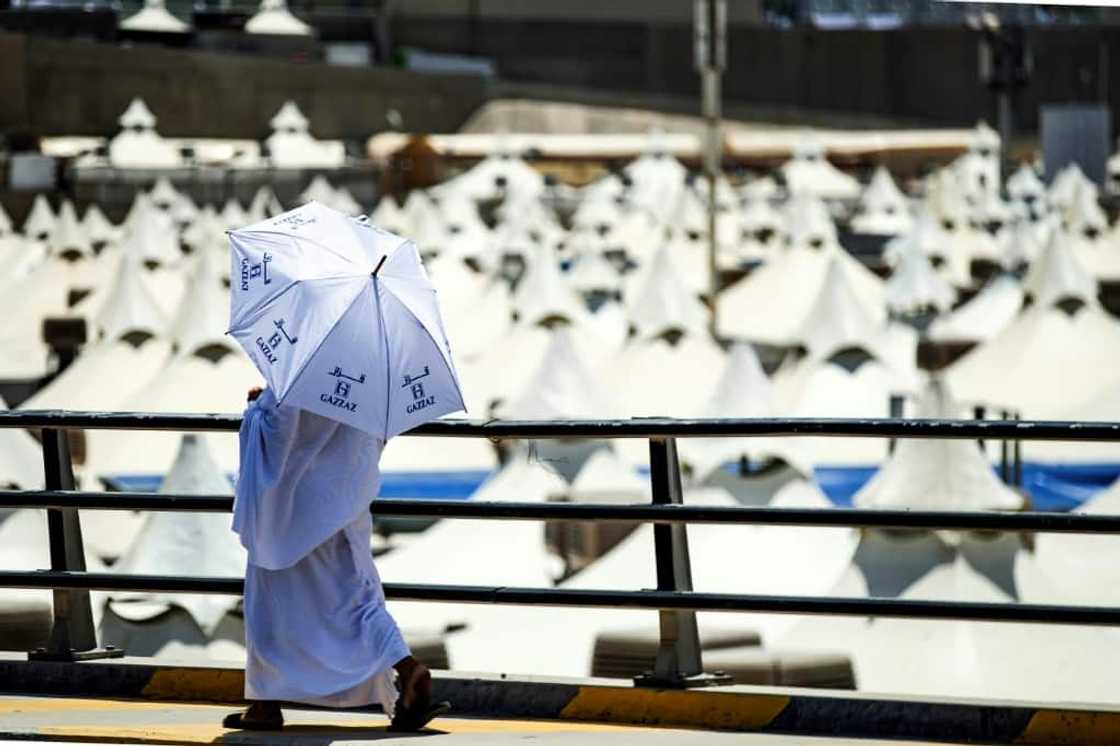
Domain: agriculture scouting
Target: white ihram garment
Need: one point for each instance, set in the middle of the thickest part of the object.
(316, 627)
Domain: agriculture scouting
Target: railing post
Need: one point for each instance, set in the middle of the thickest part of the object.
(895, 403)
(72, 635)
(678, 663)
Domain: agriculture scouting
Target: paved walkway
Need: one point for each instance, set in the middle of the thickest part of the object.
(104, 721)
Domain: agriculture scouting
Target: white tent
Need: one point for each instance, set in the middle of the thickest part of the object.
(203, 315)
(154, 17)
(664, 303)
(265, 205)
(1085, 566)
(809, 172)
(6, 226)
(940, 474)
(836, 320)
(1025, 185)
(274, 18)
(39, 223)
(291, 145)
(98, 228)
(21, 459)
(771, 304)
(26, 615)
(103, 377)
(883, 208)
(915, 285)
(984, 316)
(1058, 275)
(68, 237)
(743, 390)
(983, 660)
(186, 384)
(562, 387)
(138, 145)
(233, 215)
(542, 294)
(1039, 358)
(128, 306)
(492, 177)
(182, 543)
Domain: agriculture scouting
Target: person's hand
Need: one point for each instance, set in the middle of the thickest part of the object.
(254, 393)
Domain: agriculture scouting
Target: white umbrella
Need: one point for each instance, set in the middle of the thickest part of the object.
(341, 319)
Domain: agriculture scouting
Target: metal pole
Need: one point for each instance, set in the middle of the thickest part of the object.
(72, 635)
(678, 661)
(710, 26)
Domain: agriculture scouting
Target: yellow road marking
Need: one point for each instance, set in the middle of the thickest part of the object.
(14, 706)
(679, 708)
(1070, 727)
(218, 685)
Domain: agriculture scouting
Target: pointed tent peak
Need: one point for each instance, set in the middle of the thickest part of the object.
(594, 273)
(542, 295)
(1084, 213)
(743, 389)
(1020, 244)
(809, 223)
(759, 213)
(289, 119)
(1025, 183)
(6, 227)
(150, 235)
(562, 386)
(605, 473)
(155, 17)
(130, 307)
(319, 190)
(137, 116)
(194, 471)
(915, 285)
(233, 215)
(837, 320)
(937, 474)
(1057, 275)
(665, 303)
(163, 193)
(203, 317)
(984, 139)
(68, 238)
(40, 221)
(264, 205)
(97, 226)
(882, 188)
(1068, 183)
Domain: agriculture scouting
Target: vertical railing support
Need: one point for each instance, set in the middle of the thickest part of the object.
(1005, 453)
(895, 403)
(72, 635)
(678, 663)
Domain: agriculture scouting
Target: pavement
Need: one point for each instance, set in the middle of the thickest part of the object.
(106, 721)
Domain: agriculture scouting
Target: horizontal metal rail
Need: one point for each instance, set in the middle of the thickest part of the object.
(653, 427)
(561, 511)
(567, 597)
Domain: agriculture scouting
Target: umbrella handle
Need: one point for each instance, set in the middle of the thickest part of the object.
(378, 267)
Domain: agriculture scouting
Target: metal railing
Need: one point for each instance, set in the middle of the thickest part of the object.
(678, 662)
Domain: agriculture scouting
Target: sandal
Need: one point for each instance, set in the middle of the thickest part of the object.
(422, 710)
(237, 721)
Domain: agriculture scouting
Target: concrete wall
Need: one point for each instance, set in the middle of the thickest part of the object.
(51, 86)
(920, 74)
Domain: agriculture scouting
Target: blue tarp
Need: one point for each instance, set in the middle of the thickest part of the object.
(1052, 487)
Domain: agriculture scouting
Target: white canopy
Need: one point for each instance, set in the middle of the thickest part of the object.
(665, 303)
(915, 284)
(103, 377)
(983, 316)
(273, 17)
(68, 237)
(1058, 275)
(809, 172)
(184, 544)
(154, 17)
(291, 145)
(21, 459)
(203, 315)
(39, 223)
(138, 145)
(940, 474)
(561, 388)
(743, 390)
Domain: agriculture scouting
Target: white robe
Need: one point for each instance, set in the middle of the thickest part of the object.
(316, 627)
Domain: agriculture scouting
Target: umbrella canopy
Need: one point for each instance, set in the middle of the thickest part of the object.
(341, 319)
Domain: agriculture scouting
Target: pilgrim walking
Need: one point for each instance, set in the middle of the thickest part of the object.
(343, 324)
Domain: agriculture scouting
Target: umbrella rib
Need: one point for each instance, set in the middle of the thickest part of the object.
(307, 362)
(385, 341)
